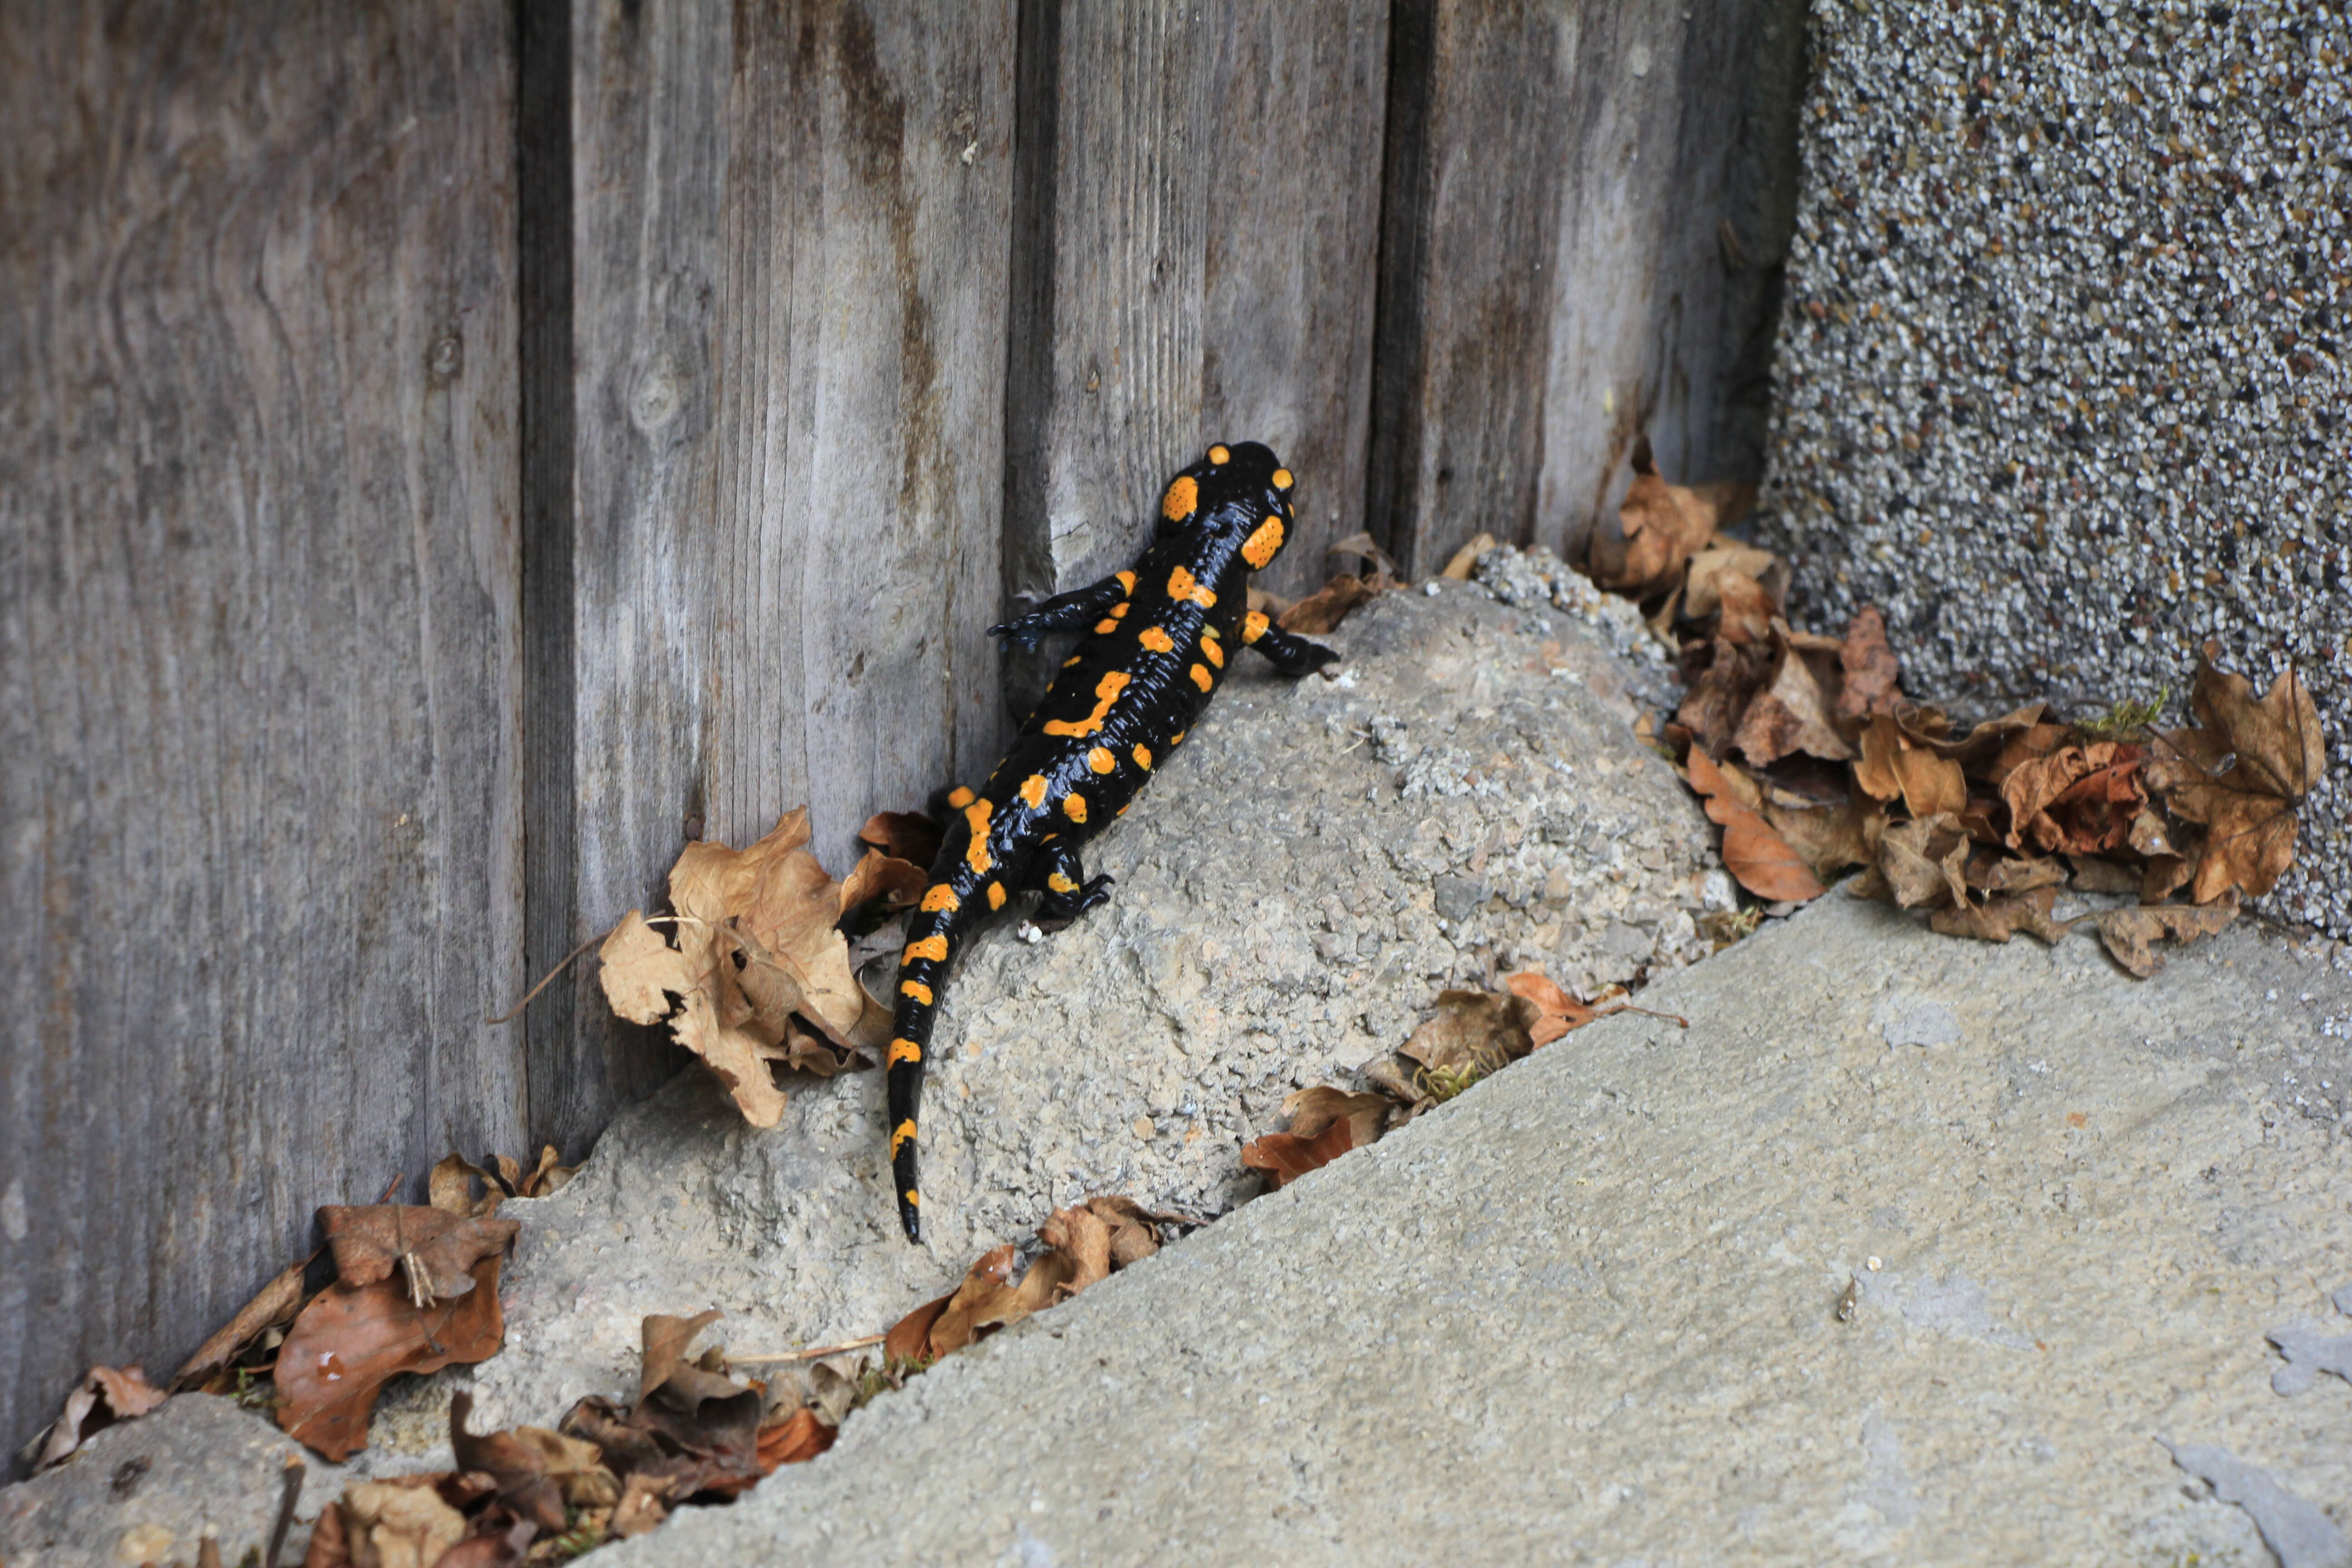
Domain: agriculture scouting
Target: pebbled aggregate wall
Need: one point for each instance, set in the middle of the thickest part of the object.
(2061, 381)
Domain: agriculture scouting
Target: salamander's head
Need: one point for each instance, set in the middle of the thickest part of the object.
(1242, 489)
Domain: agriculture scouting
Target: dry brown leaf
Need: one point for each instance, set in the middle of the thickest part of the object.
(641, 971)
(1991, 872)
(1792, 713)
(2095, 875)
(1759, 858)
(386, 1524)
(537, 1472)
(1557, 1011)
(1870, 687)
(1893, 763)
(641, 1507)
(2003, 916)
(907, 836)
(1363, 546)
(1725, 557)
(273, 1304)
(105, 1396)
(1830, 838)
(1925, 862)
(1081, 1235)
(2131, 934)
(1324, 609)
(795, 1440)
(662, 1344)
(1313, 1110)
(349, 1342)
(2082, 800)
(450, 1189)
(2239, 775)
(1482, 1030)
(885, 876)
(1466, 558)
(1722, 678)
(431, 1253)
(1134, 1230)
(1285, 1156)
(1660, 527)
(1745, 609)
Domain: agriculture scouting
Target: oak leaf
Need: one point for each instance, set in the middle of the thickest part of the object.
(2239, 773)
(2131, 934)
(1752, 852)
(2003, 916)
(433, 1252)
(352, 1339)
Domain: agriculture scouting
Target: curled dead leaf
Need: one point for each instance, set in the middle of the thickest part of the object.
(2131, 934)
(1323, 610)
(1286, 1156)
(1477, 1030)
(1924, 862)
(1792, 712)
(907, 836)
(274, 1304)
(798, 1438)
(352, 1339)
(1557, 1011)
(2240, 773)
(1464, 559)
(2003, 916)
(1722, 678)
(1870, 687)
(432, 1252)
(1752, 852)
(1659, 527)
(1894, 764)
(1830, 838)
(897, 883)
(105, 1396)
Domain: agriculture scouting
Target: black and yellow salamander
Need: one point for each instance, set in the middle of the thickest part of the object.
(1158, 639)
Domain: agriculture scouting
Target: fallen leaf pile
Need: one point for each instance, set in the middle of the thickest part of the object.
(755, 972)
(1806, 753)
(106, 1395)
(1081, 1245)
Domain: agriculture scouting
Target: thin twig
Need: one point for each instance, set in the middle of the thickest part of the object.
(816, 1352)
(548, 979)
(1629, 1007)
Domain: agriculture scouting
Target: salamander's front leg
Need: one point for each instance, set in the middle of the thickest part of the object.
(1068, 893)
(1067, 612)
(1291, 655)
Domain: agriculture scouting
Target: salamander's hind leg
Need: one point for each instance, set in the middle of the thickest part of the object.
(1068, 892)
(1289, 654)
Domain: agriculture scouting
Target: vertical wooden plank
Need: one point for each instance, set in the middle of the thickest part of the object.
(791, 292)
(1553, 274)
(259, 650)
(1213, 221)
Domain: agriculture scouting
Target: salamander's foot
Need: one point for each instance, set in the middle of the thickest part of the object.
(1056, 909)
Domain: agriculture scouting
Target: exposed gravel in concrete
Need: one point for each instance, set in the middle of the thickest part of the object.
(2062, 374)
(1308, 870)
(1587, 1313)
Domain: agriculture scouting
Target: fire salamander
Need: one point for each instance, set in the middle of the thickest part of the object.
(1160, 640)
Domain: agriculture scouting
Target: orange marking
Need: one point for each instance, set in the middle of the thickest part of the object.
(900, 1134)
(1182, 586)
(978, 856)
(914, 1200)
(1118, 611)
(1157, 640)
(996, 895)
(1100, 760)
(1282, 478)
(1073, 659)
(1125, 581)
(1073, 806)
(1217, 454)
(1143, 758)
(934, 948)
(1106, 625)
(959, 798)
(1061, 884)
(1253, 626)
(902, 1050)
(941, 897)
(1178, 738)
(1215, 651)
(917, 989)
(1261, 546)
(1202, 677)
(1033, 790)
(1184, 498)
(1107, 692)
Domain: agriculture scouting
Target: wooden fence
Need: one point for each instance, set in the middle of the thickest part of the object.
(451, 452)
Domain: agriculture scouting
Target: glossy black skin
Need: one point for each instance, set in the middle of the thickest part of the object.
(1029, 840)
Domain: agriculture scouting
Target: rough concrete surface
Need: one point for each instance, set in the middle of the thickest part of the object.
(1588, 1311)
(144, 1492)
(2060, 381)
(1314, 863)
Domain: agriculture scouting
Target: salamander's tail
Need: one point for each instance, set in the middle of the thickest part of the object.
(922, 977)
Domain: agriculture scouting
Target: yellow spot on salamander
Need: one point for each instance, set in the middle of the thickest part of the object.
(1214, 651)
(1143, 758)
(1178, 738)
(934, 948)
(914, 1199)
(1073, 806)
(902, 1050)
(959, 798)
(1107, 692)
(941, 897)
(1125, 581)
(1260, 547)
(1106, 625)
(1033, 790)
(1219, 454)
(996, 895)
(900, 1134)
(1202, 677)
(1100, 760)
(1157, 640)
(1061, 884)
(977, 857)
(1118, 611)
(1183, 586)
(1073, 659)
(1282, 478)
(917, 989)
(1253, 626)
(1182, 498)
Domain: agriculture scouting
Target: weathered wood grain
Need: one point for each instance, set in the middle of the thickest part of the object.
(790, 290)
(1206, 268)
(1552, 265)
(258, 647)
